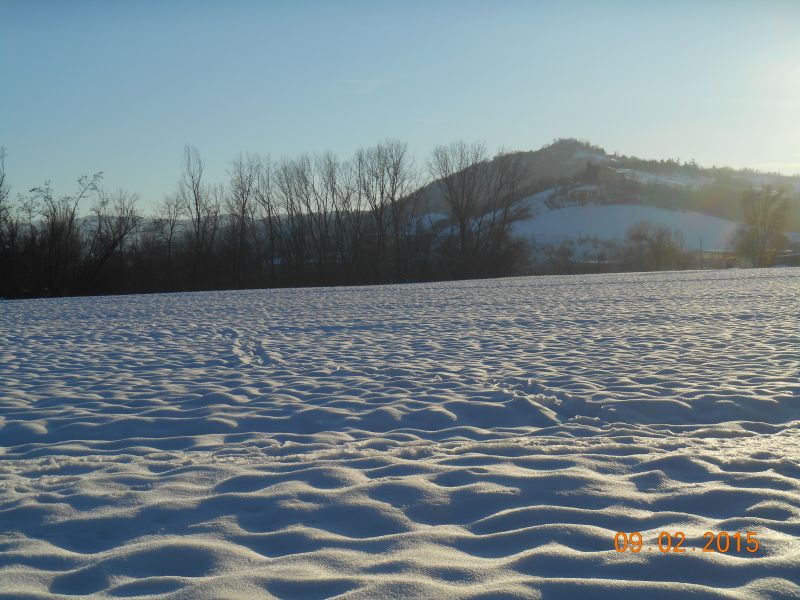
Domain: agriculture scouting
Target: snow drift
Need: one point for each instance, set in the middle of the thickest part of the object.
(453, 440)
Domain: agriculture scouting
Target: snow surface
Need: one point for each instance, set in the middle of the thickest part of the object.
(611, 221)
(676, 179)
(480, 440)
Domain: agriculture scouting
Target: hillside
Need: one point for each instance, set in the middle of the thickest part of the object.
(611, 222)
(573, 189)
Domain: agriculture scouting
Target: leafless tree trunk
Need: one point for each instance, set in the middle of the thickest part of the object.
(241, 206)
(505, 189)
(325, 184)
(459, 170)
(61, 228)
(9, 230)
(346, 219)
(166, 222)
(287, 181)
(762, 232)
(5, 192)
(201, 204)
(403, 185)
(273, 224)
(110, 223)
(385, 178)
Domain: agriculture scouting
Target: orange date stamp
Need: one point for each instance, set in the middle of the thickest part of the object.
(723, 542)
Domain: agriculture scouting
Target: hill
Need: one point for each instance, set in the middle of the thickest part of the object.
(573, 188)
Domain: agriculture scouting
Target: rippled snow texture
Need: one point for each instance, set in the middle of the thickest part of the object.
(453, 440)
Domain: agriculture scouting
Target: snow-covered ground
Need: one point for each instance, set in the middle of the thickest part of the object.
(480, 440)
(677, 179)
(611, 222)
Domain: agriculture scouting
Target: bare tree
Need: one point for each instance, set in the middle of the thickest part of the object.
(483, 198)
(287, 201)
(373, 187)
(166, 224)
(200, 203)
(264, 192)
(241, 206)
(458, 171)
(385, 179)
(347, 219)
(651, 247)
(61, 229)
(9, 229)
(112, 220)
(5, 193)
(325, 184)
(505, 188)
(763, 231)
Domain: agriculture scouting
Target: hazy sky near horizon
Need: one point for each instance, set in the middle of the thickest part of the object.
(121, 87)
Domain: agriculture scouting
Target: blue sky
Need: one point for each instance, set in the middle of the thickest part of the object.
(120, 87)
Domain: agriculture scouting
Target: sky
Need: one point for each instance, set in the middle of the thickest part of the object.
(122, 87)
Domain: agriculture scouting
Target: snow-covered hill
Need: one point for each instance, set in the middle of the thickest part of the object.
(610, 222)
(575, 189)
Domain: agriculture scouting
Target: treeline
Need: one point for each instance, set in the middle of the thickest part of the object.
(310, 220)
(646, 247)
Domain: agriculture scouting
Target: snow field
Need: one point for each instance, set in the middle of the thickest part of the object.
(454, 440)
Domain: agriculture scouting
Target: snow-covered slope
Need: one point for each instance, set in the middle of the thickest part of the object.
(453, 440)
(678, 179)
(611, 221)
